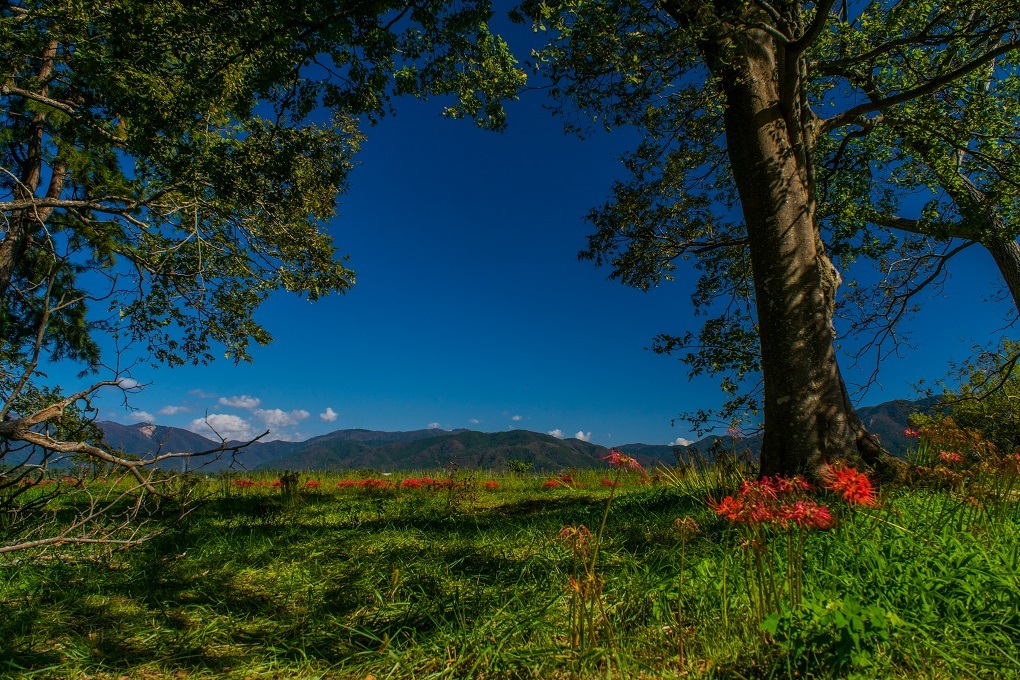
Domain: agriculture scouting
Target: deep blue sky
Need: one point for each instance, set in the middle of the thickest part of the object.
(471, 309)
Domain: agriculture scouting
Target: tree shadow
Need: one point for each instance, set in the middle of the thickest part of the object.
(307, 585)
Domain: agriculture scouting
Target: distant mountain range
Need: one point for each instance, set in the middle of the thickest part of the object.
(435, 448)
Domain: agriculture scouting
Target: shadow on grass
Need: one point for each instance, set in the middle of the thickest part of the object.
(251, 577)
(17, 653)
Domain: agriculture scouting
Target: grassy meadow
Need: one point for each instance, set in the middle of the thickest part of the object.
(476, 575)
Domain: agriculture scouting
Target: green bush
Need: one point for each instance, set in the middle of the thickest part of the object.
(988, 397)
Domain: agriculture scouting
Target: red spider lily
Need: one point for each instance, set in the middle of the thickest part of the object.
(760, 488)
(566, 481)
(854, 486)
(491, 485)
(276, 483)
(622, 461)
(440, 483)
(605, 481)
(791, 485)
(244, 483)
(411, 483)
(807, 514)
(746, 511)
(312, 484)
(375, 484)
(911, 432)
(760, 512)
(773, 487)
(950, 457)
(759, 502)
(731, 508)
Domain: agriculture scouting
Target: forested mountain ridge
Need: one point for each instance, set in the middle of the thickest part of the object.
(434, 448)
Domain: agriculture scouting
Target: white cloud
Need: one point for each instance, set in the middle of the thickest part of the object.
(517, 418)
(142, 417)
(433, 426)
(583, 436)
(558, 433)
(172, 410)
(680, 441)
(127, 383)
(243, 401)
(474, 421)
(279, 418)
(329, 415)
(225, 425)
(201, 394)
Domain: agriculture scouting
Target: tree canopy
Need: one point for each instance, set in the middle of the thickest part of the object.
(765, 126)
(165, 167)
(191, 154)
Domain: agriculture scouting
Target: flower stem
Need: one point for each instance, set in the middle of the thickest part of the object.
(605, 517)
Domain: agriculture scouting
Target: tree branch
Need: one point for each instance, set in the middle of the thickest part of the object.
(851, 115)
(800, 45)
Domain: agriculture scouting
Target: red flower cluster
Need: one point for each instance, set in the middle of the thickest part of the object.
(245, 483)
(409, 483)
(911, 432)
(774, 487)
(605, 481)
(854, 486)
(313, 484)
(767, 501)
(950, 457)
(807, 514)
(565, 481)
(365, 484)
(622, 461)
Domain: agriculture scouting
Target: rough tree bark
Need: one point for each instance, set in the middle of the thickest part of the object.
(1006, 252)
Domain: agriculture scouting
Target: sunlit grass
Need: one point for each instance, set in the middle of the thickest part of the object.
(466, 581)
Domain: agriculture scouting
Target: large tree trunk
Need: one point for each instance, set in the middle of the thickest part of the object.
(23, 224)
(809, 420)
(1006, 252)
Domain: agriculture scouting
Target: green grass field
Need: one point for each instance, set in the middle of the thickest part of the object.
(477, 582)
